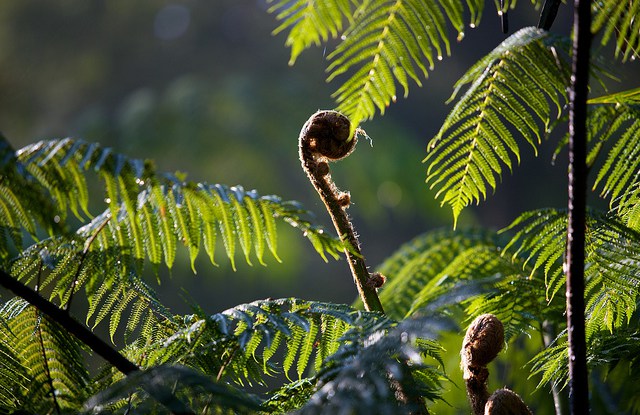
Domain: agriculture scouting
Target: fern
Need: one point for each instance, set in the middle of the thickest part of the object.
(617, 118)
(445, 271)
(200, 391)
(417, 265)
(240, 344)
(144, 205)
(377, 361)
(310, 22)
(619, 18)
(509, 95)
(51, 361)
(612, 252)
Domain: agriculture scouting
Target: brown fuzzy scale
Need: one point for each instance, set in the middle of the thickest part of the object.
(506, 402)
(482, 343)
(323, 138)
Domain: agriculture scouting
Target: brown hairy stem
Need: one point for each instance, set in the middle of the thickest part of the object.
(324, 138)
(482, 343)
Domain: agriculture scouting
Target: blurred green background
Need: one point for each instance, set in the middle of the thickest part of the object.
(202, 87)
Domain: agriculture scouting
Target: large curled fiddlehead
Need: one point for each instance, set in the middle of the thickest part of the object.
(481, 344)
(325, 137)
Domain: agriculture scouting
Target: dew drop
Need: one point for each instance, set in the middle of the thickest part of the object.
(107, 200)
(472, 25)
(343, 37)
(393, 98)
(499, 12)
(439, 57)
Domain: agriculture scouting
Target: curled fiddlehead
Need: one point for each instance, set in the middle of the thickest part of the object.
(324, 138)
(482, 343)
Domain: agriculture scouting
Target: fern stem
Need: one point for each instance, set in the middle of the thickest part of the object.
(83, 256)
(45, 361)
(577, 189)
(323, 138)
(96, 344)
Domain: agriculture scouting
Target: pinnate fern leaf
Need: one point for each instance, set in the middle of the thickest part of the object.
(51, 357)
(509, 96)
(618, 18)
(310, 22)
(151, 214)
(240, 344)
(616, 118)
(388, 42)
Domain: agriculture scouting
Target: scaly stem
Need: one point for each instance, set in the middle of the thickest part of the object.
(324, 138)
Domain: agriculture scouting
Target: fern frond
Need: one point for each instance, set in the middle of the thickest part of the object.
(374, 363)
(612, 255)
(617, 118)
(509, 96)
(417, 266)
(149, 212)
(241, 343)
(52, 359)
(202, 394)
(618, 18)
(310, 22)
(386, 43)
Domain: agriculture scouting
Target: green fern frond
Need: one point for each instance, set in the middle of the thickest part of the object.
(417, 267)
(241, 343)
(618, 18)
(167, 383)
(151, 213)
(612, 255)
(52, 359)
(111, 278)
(510, 93)
(375, 361)
(617, 118)
(310, 22)
(386, 43)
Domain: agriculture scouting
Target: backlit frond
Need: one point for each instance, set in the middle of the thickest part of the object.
(619, 18)
(616, 118)
(310, 22)
(509, 97)
(51, 357)
(151, 213)
(388, 43)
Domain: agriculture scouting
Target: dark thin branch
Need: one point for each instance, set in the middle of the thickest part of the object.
(83, 334)
(577, 189)
(548, 14)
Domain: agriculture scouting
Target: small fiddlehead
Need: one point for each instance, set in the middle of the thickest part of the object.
(481, 344)
(324, 138)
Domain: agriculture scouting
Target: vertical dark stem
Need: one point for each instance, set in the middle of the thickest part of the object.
(574, 267)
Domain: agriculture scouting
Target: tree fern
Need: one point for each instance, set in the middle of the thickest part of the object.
(509, 96)
(612, 253)
(201, 393)
(240, 344)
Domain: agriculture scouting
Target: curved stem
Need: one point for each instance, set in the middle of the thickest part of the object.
(325, 137)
